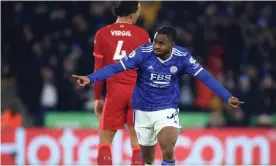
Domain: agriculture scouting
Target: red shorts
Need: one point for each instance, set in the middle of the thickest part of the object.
(117, 110)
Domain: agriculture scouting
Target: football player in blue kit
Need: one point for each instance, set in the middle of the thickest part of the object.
(155, 99)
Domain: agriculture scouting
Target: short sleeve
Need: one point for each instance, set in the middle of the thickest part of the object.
(97, 46)
(132, 60)
(147, 38)
(192, 67)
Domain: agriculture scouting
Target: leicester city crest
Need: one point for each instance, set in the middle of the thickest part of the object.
(173, 69)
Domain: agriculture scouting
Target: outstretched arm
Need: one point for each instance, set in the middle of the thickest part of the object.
(99, 75)
(205, 77)
(195, 69)
(106, 72)
(210, 81)
(128, 62)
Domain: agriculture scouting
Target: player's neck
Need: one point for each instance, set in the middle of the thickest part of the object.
(123, 20)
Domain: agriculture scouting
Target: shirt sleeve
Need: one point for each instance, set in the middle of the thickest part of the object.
(192, 67)
(195, 69)
(97, 46)
(133, 60)
(98, 64)
(210, 81)
(106, 72)
(147, 37)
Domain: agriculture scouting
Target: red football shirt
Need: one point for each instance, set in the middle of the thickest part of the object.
(111, 44)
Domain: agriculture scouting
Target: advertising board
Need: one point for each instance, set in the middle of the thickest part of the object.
(194, 146)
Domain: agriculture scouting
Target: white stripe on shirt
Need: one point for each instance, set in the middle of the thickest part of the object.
(123, 65)
(198, 71)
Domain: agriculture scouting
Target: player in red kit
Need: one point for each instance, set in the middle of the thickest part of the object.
(112, 43)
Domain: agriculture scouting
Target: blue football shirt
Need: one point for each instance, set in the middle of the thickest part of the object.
(157, 85)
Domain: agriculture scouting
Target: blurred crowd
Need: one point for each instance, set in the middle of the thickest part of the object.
(44, 43)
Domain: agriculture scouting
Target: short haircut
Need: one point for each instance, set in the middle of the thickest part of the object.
(125, 8)
(168, 30)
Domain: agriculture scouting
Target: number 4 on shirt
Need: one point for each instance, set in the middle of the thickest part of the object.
(119, 53)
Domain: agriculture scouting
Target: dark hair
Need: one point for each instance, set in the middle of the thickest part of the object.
(125, 8)
(167, 30)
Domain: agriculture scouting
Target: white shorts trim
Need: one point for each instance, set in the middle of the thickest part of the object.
(149, 124)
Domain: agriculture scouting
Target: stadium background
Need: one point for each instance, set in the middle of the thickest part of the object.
(44, 43)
